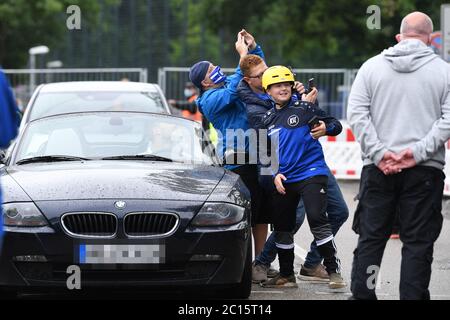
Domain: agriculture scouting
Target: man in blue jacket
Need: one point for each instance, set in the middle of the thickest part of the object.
(8, 125)
(220, 104)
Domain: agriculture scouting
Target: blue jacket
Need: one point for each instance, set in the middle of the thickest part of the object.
(9, 117)
(256, 107)
(8, 124)
(300, 156)
(223, 108)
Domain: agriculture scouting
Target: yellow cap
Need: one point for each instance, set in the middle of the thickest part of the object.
(277, 74)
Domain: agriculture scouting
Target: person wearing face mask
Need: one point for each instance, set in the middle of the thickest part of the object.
(301, 174)
(220, 104)
(189, 110)
(188, 106)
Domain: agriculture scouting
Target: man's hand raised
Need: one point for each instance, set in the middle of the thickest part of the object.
(241, 47)
(249, 39)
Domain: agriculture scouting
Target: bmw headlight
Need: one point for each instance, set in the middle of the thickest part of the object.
(23, 214)
(218, 214)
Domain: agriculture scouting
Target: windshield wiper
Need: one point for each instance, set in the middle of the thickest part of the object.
(150, 157)
(50, 159)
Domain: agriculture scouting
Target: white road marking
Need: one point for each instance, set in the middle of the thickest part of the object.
(332, 292)
(446, 296)
(300, 252)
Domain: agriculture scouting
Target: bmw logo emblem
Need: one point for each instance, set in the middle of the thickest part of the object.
(120, 205)
(293, 120)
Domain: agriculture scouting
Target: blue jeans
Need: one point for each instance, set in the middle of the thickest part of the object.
(337, 211)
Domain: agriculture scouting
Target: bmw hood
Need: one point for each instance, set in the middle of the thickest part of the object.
(116, 180)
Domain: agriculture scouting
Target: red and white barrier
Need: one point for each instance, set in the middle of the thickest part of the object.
(343, 156)
(447, 170)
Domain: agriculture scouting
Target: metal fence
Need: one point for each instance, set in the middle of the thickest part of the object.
(333, 84)
(24, 81)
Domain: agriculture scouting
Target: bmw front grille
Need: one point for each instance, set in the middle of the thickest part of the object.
(105, 225)
(90, 224)
(150, 224)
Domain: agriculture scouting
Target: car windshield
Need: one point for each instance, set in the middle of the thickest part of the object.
(115, 136)
(54, 103)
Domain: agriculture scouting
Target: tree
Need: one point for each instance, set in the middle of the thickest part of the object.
(192, 39)
(313, 33)
(24, 24)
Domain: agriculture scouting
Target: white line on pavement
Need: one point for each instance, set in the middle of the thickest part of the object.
(300, 252)
(332, 292)
(446, 296)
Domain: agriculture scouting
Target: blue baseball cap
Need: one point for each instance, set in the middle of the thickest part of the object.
(198, 73)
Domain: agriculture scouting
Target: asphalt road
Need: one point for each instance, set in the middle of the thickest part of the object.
(346, 240)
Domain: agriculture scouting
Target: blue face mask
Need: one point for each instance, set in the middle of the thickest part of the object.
(217, 75)
(188, 93)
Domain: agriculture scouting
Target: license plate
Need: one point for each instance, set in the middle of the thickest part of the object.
(121, 254)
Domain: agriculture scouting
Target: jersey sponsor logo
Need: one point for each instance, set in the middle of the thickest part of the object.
(293, 120)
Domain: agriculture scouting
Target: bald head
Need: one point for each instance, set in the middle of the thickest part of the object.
(416, 25)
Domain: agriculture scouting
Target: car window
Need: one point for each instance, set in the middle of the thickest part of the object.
(113, 134)
(48, 104)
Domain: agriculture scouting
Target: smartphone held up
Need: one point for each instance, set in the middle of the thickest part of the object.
(311, 85)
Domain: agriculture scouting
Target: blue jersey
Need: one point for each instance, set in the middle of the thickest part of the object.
(299, 155)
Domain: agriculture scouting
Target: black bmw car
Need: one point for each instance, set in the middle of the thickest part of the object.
(127, 199)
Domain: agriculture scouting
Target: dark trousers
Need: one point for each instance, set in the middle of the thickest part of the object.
(417, 194)
(249, 175)
(313, 191)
